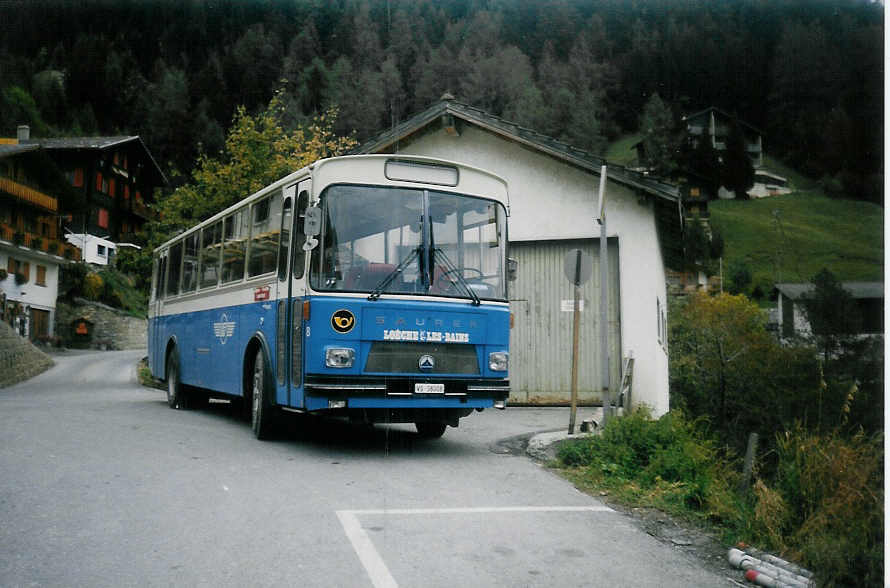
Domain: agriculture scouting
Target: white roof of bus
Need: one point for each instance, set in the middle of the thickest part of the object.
(475, 173)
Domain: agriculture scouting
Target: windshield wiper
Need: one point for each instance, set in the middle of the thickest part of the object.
(378, 290)
(452, 269)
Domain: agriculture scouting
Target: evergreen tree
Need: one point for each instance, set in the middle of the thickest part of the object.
(832, 313)
(657, 130)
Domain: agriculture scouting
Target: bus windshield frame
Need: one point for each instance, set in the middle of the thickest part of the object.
(410, 241)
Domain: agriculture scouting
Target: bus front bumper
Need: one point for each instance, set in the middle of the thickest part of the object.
(366, 392)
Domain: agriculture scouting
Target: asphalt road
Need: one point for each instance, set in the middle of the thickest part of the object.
(101, 484)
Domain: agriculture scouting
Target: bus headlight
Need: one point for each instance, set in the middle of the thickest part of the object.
(498, 361)
(339, 357)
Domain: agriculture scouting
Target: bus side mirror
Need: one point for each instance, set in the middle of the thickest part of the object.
(512, 269)
(312, 222)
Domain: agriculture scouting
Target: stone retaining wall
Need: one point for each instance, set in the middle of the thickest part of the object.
(19, 359)
(110, 328)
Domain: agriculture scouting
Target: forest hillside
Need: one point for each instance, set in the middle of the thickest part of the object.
(806, 72)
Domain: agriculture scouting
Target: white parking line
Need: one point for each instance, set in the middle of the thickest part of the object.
(370, 557)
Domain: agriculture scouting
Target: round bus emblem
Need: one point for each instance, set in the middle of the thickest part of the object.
(426, 362)
(342, 321)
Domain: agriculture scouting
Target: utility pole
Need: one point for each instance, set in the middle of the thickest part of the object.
(604, 300)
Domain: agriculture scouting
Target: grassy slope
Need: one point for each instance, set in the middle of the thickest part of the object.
(790, 238)
(845, 236)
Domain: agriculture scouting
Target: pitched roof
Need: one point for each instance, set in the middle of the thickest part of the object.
(13, 149)
(725, 115)
(511, 131)
(858, 290)
(98, 143)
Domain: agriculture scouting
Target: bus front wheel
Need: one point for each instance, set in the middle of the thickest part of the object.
(430, 430)
(261, 416)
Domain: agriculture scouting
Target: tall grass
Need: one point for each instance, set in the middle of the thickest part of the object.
(822, 506)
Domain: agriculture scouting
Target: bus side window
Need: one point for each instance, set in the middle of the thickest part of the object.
(237, 229)
(299, 264)
(175, 266)
(210, 245)
(190, 264)
(264, 239)
(155, 294)
(284, 237)
(162, 274)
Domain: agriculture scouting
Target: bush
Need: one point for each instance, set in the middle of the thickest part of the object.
(93, 286)
(669, 459)
(826, 508)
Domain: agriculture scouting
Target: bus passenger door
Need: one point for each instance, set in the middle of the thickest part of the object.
(289, 327)
(298, 295)
(156, 351)
(282, 297)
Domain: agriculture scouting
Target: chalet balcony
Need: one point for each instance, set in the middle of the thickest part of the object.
(29, 195)
(39, 243)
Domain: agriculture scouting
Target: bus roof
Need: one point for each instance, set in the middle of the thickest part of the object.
(366, 169)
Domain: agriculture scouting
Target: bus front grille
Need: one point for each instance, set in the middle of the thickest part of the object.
(400, 358)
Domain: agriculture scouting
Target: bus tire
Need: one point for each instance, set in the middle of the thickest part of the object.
(261, 410)
(176, 397)
(430, 430)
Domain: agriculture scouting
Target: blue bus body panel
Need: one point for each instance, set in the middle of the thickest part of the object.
(212, 344)
(485, 327)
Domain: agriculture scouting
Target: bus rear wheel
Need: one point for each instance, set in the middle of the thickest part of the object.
(261, 415)
(430, 430)
(175, 389)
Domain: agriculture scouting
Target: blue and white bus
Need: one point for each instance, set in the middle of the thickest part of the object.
(371, 286)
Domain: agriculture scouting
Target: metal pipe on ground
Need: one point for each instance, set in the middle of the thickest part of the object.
(766, 572)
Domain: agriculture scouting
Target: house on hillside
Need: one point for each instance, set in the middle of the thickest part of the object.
(31, 245)
(714, 125)
(792, 320)
(553, 208)
(114, 179)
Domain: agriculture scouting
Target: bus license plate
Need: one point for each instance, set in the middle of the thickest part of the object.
(427, 388)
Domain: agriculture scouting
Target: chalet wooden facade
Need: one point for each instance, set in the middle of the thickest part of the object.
(115, 178)
(32, 248)
(50, 188)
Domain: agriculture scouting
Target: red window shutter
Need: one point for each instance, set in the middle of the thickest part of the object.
(103, 218)
(126, 192)
(10, 265)
(26, 269)
(78, 177)
(98, 182)
(111, 185)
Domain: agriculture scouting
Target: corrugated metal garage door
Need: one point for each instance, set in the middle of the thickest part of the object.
(541, 339)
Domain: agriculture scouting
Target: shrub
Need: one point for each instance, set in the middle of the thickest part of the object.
(826, 509)
(93, 286)
(71, 279)
(668, 458)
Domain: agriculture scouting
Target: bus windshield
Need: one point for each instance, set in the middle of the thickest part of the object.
(410, 241)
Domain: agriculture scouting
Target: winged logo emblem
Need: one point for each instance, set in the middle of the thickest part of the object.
(223, 329)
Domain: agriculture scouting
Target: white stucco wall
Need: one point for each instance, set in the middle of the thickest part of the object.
(89, 247)
(552, 200)
(30, 293)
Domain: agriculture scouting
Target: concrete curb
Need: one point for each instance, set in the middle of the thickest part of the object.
(543, 446)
